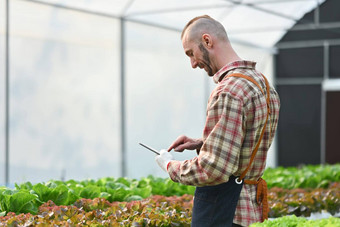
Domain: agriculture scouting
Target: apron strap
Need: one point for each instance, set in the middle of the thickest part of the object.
(261, 193)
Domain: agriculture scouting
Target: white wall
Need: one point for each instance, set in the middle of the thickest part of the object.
(64, 91)
(164, 96)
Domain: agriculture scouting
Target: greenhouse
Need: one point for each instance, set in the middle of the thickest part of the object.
(84, 82)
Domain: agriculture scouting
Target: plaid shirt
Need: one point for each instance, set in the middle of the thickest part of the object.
(236, 113)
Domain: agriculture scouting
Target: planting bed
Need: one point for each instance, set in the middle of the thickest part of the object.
(160, 202)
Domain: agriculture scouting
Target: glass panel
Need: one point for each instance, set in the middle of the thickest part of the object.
(115, 7)
(330, 12)
(299, 125)
(165, 97)
(294, 9)
(300, 62)
(332, 127)
(334, 69)
(64, 94)
(178, 19)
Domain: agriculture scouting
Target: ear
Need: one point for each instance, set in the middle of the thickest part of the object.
(207, 40)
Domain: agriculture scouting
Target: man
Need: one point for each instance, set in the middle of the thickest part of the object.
(242, 117)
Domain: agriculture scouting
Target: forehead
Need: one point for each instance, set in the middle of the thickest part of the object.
(187, 43)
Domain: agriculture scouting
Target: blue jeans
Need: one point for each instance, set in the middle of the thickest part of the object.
(215, 205)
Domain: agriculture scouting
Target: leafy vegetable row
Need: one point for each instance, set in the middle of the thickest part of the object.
(27, 197)
(309, 176)
(154, 211)
(293, 221)
(281, 202)
(303, 202)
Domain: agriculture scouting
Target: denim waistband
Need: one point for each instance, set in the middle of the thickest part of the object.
(222, 186)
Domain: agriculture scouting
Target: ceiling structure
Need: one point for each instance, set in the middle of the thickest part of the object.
(257, 23)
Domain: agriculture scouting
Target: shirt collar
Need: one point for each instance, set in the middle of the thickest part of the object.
(233, 65)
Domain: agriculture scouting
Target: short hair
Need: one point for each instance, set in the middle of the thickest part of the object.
(204, 24)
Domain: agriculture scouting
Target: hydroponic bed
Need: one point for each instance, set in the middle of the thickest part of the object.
(293, 193)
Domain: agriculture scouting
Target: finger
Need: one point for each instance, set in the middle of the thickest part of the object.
(178, 149)
(181, 147)
(176, 143)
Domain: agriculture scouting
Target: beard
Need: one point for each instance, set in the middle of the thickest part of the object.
(206, 59)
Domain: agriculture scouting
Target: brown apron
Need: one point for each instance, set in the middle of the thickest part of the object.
(261, 193)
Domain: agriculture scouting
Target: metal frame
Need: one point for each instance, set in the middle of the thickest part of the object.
(298, 81)
(324, 103)
(298, 27)
(73, 9)
(7, 95)
(310, 43)
(124, 17)
(122, 96)
(171, 10)
(314, 81)
(323, 126)
(254, 6)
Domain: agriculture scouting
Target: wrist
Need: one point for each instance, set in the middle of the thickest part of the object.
(199, 143)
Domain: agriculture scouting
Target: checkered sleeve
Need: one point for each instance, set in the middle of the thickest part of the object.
(222, 139)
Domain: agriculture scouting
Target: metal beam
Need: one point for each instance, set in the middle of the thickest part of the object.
(126, 8)
(305, 43)
(298, 27)
(324, 103)
(317, 13)
(314, 26)
(298, 81)
(122, 97)
(323, 127)
(178, 9)
(7, 96)
(277, 1)
(253, 6)
(326, 58)
(74, 9)
(153, 24)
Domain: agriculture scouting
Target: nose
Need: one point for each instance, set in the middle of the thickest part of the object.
(193, 63)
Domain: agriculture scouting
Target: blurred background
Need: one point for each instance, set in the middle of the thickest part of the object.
(82, 82)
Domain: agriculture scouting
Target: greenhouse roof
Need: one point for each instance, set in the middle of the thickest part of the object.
(259, 23)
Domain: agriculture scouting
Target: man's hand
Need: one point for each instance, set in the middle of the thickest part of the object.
(163, 159)
(183, 142)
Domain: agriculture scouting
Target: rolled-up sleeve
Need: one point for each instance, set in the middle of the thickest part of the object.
(223, 135)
